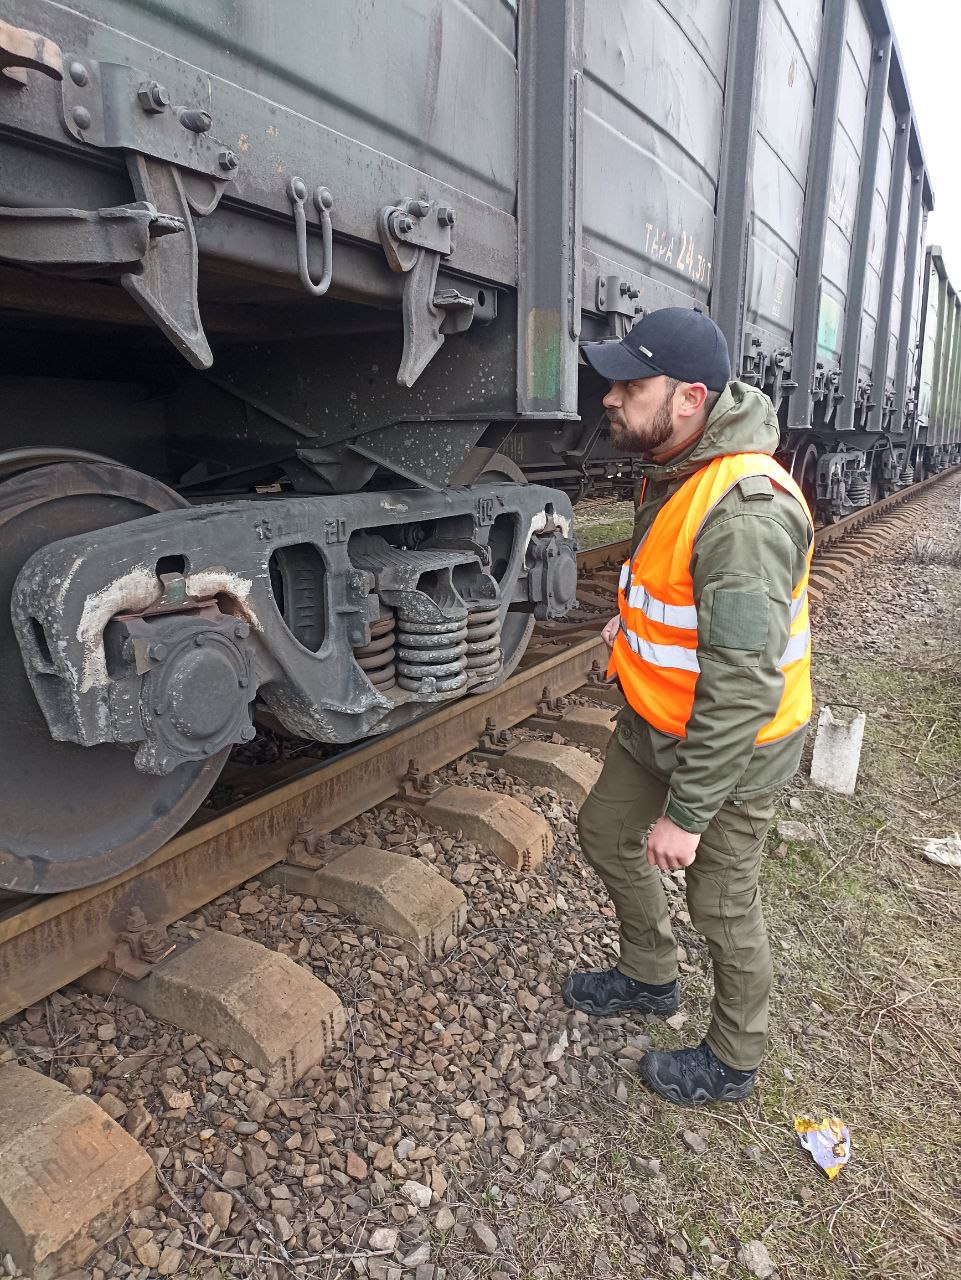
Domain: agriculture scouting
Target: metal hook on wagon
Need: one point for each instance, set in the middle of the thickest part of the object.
(323, 201)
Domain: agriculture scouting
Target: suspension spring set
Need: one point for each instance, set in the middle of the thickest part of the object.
(432, 656)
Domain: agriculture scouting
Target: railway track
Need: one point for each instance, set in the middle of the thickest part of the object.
(48, 942)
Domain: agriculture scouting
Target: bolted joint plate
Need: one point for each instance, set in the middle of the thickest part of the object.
(117, 107)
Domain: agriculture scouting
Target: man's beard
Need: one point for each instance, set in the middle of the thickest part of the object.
(647, 438)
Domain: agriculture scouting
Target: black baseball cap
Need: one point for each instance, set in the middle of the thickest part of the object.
(676, 342)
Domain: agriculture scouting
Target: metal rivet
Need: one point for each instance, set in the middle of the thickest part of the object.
(248, 732)
(208, 748)
(200, 641)
(227, 161)
(81, 117)
(243, 682)
(241, 630)
(79, 74)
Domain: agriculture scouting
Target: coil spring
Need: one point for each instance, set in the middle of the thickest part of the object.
(432, 655)
(907, 473)
(376, 659)
(859, 492)
(484, 655)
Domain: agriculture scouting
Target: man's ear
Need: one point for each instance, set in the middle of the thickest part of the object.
(693, 395)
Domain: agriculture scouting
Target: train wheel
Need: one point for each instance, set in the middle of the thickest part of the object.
(804, 469)
(518, 626)
(72, 816)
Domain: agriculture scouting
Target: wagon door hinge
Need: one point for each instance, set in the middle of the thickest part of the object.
(415, 235)
(618, 300)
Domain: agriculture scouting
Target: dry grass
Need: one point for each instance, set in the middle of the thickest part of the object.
(597, 521)
(924, 550)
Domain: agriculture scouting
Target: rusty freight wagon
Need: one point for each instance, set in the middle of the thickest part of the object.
(291, 298)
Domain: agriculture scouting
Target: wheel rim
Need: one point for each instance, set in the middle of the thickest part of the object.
(71, 815)
(804, 469)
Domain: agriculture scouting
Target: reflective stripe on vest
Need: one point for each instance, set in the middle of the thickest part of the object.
(655, 650)
(681, 659)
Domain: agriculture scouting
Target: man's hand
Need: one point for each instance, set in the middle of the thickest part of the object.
(610, 631)
(669, 846)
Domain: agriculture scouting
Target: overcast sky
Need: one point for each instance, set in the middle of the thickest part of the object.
(929, 33)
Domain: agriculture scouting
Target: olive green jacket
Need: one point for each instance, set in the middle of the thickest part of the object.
(748, 556)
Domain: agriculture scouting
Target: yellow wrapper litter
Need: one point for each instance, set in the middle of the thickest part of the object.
(827, 1140)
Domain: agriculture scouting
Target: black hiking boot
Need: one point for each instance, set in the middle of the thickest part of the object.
(606, 993)
(692, 1077)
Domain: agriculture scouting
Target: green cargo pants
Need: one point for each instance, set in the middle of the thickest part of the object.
(722, 898)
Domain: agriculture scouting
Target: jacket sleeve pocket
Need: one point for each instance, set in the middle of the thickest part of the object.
(739, 620)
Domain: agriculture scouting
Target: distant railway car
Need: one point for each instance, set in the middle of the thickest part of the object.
(938, 395)
(291, 299)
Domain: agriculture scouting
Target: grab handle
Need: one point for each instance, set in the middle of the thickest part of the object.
(323, 201)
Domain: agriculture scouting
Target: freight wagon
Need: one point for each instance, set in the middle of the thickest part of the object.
(291, 299)
(938, 397)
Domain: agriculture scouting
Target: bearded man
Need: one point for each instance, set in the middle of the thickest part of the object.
(712, 650)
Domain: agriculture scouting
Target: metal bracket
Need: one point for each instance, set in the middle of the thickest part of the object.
(782, 383)
(166, 283)
(84, 242)
(549, 714)
(415, 235)
(115, 107)
(416, 788)
(177, 168)
(754, 366)
(493, 742)
(139, 947)
(863, 404)
(618, 300)
(311, 848)
(554, 708)
(834, 394)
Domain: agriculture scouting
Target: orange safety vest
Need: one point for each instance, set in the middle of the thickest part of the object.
(655, 651)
